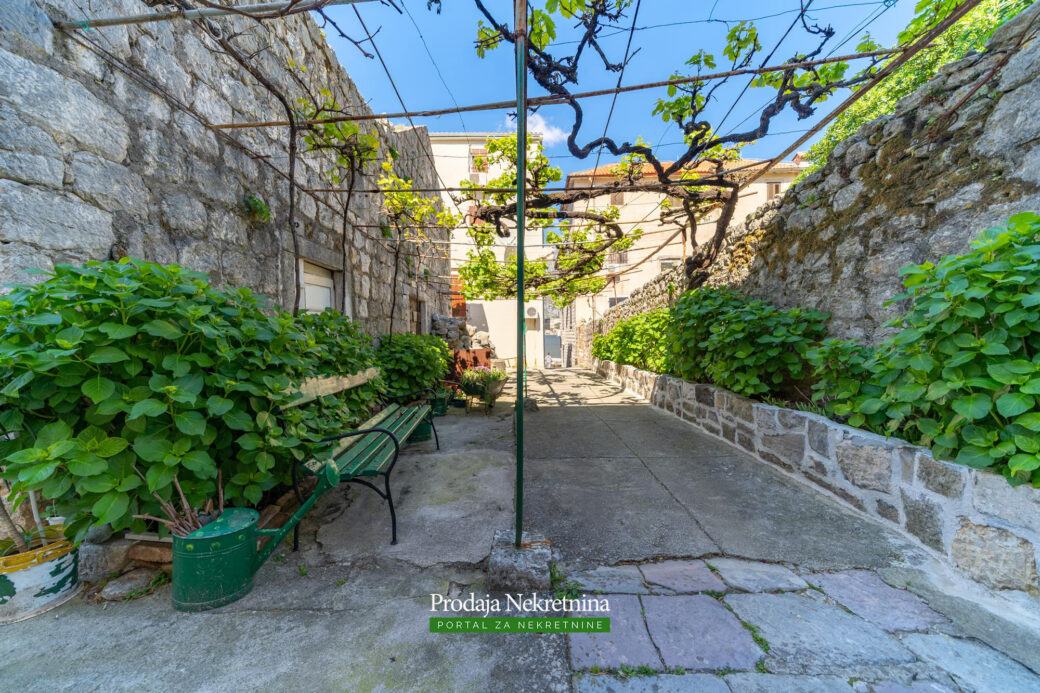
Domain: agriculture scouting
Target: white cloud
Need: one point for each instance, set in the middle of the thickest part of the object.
(536, 122)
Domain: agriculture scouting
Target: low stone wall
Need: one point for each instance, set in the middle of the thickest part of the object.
(987, 529)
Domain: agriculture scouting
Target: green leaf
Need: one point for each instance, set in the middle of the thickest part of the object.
(37, 473)
(159, 476)
(152, 449)
(973, 407)
(110, 507)
(250, 441)
(191, 423)
(218, 406)
(87, 465)
(1023, 463)
(53, 433)
(43, 320)
(1014, 403)
(238, 420)
(163, 329)
(253, 493)
(111, 446)
(973, 456)
(201, 463)
(118, 330)
(1030, 421)
(107, 354)
(147, 407)
(12, 388)
(98, 388)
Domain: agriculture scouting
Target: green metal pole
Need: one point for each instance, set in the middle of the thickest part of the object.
(520, 8)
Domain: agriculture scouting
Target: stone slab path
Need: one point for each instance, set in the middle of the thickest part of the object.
(722, 573)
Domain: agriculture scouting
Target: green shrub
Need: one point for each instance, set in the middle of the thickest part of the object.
(120, 376)
(745, 345)
(838, 370)
(413, 362)
(963, 374)
(640, 341)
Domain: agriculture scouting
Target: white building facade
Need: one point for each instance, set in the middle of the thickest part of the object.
(455, 155)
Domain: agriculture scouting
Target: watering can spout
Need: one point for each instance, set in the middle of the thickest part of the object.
(328, 478)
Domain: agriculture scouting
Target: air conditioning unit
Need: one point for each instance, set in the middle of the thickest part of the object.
(532, 312)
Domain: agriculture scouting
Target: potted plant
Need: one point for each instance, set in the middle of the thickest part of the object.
(38, 569)
(483, 383)
(442, 395)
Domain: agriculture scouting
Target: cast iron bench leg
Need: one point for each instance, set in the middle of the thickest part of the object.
(393, 513)
(433, 426)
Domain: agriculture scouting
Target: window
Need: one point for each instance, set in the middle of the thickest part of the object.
(614, 301)
(773, 188)
(617, 198)
(318, 288)
(416, 308)
(478, 160)
(458, 301)
(618, 257)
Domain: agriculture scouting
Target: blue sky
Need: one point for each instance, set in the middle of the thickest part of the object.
(674, 30)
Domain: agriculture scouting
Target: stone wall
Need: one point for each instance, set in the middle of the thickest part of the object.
(909, 187)
(986, 529)
(94, 164)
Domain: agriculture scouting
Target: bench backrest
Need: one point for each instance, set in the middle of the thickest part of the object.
(313, 388)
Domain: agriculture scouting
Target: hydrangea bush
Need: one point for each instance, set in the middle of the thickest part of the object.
(121, 376)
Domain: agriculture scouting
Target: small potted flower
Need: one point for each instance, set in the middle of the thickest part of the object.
(483, 383)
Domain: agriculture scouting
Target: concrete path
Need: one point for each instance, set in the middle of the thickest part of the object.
(722, 574)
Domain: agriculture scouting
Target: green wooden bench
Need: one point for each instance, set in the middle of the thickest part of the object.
(367, 452)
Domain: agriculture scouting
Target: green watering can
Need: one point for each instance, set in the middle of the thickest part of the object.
(215, 564)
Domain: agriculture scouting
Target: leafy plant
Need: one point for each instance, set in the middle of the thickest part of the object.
(640, 341)
(746, 345)
(412, 363)
(257, 208)
(963, 374)
(122, 376)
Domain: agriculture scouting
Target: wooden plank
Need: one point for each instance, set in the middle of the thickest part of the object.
(406, 427)
(313, 388)
(344, 444)
(376, 421)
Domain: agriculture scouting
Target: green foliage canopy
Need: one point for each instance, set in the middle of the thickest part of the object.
(121, 376)
(963, 373)
(412, 363)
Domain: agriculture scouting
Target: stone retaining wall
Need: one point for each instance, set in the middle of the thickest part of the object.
(95, 165)
(987, 529)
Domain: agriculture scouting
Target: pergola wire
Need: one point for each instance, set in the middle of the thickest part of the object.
(550, 100)
(903, 54)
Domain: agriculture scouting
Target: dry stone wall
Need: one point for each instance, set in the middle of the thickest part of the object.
(910, 187)
(96, 165)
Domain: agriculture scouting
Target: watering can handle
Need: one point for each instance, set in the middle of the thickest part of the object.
(328, 478)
